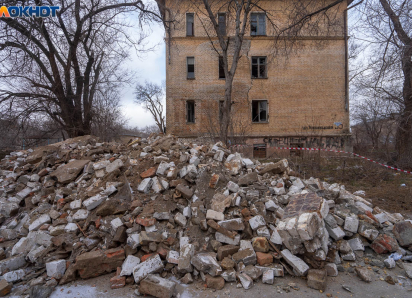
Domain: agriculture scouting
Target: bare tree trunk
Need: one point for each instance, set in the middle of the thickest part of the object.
(404, 132)
(227, 107)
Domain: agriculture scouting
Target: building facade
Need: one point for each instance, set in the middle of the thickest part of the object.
(288, 93)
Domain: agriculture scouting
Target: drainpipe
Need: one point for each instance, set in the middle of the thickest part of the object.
(345, 18)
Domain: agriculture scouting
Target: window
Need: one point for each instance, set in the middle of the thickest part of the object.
(257, 24)
(190, 24)
(259, 110)
(259, 68)
(190, 111)
(221, 68)
(190, 67)
(222, 23)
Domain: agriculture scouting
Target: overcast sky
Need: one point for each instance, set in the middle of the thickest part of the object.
(149, 66)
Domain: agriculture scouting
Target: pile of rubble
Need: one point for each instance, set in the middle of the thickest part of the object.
(158, 207)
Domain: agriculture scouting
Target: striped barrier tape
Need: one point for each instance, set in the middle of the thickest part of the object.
(336, 151)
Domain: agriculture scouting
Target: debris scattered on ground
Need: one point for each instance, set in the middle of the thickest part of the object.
(160, 207)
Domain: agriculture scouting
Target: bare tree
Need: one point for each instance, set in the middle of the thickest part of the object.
(297, 18)
(151, 97)
(385, 28)
(57, 65)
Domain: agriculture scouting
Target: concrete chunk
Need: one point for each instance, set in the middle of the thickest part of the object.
(56, 269)
(298, 264)
(129, 264)
(149, 266)
(156, 286)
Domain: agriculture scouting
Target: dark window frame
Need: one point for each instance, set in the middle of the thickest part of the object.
(221, 68)
(190, 25)
(190, 111)
(257, 112)
(189, 67)
(257, 67)
(222, 30)
(255, 22)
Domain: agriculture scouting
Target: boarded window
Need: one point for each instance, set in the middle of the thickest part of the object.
(190, 111)
(190, 24)
(259, 111)
(190, 67)
(222, 23)
(257, 24)
(259, 70)
(259, 151)
(221, 68)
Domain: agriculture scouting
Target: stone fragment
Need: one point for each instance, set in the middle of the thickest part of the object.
(331, 269)
(14, 276)
(408, 269)
(403, 233)
(246, 256)
(215, 215)
(226, 250)
(317, 279)
(364, 274)
(356, 244)
(5, 288)
(228, 240)
(233, 187)
(186, 253)
(336, 233)
(145, 185)
(56, 269)
(389, 263)
(12, 263)
(186, 192)
(300, 267)
(236, 224)
(187, 279)
(156, 286)
(69, 172)
(351, 224)
(173, 257)
(151, 265)
(268, 277)
(116, 164)
(81, 214)
(216, 282)
(245, 280)
(257, 222)
(206, 262)
(229, 275)
(36, 224)
(367, 230)
(129, 264)
(92, 202)
(180, 219)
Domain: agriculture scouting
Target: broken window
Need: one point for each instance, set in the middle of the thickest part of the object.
(259, 110)
(190, 111)
(190, 24)
(259, 67)
(257, 24)
(221, 68)
(190, 67)
(222, 23)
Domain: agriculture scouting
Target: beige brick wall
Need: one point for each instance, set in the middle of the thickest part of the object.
(304, 88)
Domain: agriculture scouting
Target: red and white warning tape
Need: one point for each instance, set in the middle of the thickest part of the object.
(331, 150)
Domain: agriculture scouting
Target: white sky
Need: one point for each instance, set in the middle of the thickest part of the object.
(150, 66)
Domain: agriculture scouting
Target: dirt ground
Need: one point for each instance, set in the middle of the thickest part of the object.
(100, 288)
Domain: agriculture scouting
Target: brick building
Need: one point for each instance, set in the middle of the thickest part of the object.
(293, 98)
